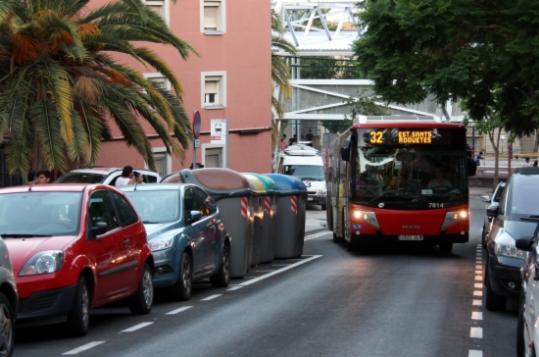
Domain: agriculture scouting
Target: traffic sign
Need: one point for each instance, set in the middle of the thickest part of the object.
(196, 124)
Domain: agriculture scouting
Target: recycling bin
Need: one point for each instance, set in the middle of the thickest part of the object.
(267, 200)
(289, 224)
(232, 193)
(258, 217)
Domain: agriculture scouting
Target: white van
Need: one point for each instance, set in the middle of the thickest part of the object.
(305, 163)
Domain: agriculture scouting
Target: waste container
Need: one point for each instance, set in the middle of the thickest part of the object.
(289, 224)
(267, 200)
(231, 192)
(258, 217)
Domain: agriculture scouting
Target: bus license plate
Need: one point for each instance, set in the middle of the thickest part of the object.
(310, 198)
(411, 237)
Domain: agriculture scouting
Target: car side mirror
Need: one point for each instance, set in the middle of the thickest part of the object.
(525, 244)
(194, 216)
(98, 228)
(492, 210)
(485, 198)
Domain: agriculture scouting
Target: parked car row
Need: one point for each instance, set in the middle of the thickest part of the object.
(512, 261)
(79, 246)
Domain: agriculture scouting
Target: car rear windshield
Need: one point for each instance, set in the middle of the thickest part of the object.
(81, 177)
(160, 206)
(34, 214)
(305, 172)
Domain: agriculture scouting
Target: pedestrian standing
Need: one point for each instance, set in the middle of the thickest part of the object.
(126, 178)
(527, 162)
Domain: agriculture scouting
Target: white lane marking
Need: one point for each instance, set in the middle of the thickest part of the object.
(83, 348)
(137, 327)
(476, 302)
(478, 286)
(477, 315)
(279, 271)
(478, 293)
(479, 278)
(234, 288)
(316, 235)
(211, 297)
(476, 332)
(475, 353)
(178, 310)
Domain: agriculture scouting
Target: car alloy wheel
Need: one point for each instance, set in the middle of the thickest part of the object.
(147, 288)
(222, 277)
(186, 275)
(183, 287)
(78, 319)
(7, 328)
(141, 303)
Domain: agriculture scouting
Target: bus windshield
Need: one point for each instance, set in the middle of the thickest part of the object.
(409, 177)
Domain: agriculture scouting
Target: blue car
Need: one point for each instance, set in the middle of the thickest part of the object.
(186, 235)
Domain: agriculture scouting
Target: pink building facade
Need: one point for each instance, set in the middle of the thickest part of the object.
(228, 82)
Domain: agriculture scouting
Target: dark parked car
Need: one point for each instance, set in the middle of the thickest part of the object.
(75, 247)
(187, 237)
(492, 202)
(513, 219)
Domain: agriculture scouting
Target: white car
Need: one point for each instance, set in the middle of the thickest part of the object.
(305, 163)
(105, 175)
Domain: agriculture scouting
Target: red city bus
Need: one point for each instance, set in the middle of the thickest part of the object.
(400, 181)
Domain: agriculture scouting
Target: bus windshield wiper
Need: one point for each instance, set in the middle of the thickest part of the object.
(530, 218)
(24, 235)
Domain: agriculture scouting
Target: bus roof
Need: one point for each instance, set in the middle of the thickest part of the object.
(407, 124)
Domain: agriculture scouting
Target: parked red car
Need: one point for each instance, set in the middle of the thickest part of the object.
(75, 247)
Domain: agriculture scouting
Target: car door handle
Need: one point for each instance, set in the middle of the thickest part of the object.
(126, 242)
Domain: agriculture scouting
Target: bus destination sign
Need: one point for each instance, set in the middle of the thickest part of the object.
(415, 137)
(408, 136)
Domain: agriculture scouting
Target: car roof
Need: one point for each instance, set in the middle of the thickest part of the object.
(54, 187)
(155, 187)
(526, 171)
(108, 170)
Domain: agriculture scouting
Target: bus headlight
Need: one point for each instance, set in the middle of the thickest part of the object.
(368, 217)
(452, 217)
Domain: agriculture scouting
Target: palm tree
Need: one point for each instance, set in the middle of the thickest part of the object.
(60, 82)
(280, 70)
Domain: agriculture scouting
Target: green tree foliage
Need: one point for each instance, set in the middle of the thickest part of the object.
(483, 52)
(59, 81)
(329, 68)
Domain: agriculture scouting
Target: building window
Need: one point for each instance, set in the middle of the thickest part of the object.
(161, 7)
(163, 161)
(213, 89)
(158, 80)
(213, 17)
(213, 156)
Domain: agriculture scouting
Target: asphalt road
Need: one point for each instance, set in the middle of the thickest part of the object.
(398, 301)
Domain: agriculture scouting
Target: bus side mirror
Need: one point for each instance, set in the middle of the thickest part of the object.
(345, 153)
